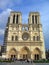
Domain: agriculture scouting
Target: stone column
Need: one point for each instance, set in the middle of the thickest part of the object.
(11, 19)
(18, 56)
(20, 19)
(15, 18)
(37, 19)
(32, 56)
(34, 19)
(30, 19)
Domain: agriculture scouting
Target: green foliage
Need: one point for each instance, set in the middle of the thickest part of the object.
(41, 61)
(6, 61)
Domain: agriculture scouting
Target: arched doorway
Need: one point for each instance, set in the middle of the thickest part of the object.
(25, 53)
(37, 54)
(13, 53)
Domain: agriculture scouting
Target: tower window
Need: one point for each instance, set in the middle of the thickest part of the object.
(12, 38)
(38, 38)
(33, 28)
(17, 19)
(36, 19)
(14, 19)
(33, 38)
(16, 38)
(33, 19)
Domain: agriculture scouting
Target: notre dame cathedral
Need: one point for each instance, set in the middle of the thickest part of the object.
(24, 41)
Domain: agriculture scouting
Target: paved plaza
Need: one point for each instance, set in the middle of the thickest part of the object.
(22, 63)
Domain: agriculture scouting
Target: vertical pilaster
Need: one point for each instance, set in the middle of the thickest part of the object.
(20, 27)
(34, 19)
(32, 56)
(11, 19)
(15, 19)
(37, 19)
(20, 19)
(18, 56)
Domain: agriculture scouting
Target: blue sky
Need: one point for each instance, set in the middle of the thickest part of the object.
(25, 6)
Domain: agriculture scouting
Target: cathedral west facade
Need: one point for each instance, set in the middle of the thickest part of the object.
(24, 41)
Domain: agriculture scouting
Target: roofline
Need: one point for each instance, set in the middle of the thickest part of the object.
(15, 12)
(34, 13)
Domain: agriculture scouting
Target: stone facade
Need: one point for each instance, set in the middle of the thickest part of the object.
(23, 41)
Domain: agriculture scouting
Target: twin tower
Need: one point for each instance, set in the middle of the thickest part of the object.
(24, 41)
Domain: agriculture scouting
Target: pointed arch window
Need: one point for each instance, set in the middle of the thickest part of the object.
(38, 38)
(13, 19)
(16, 38)
(33, 38)
(36, 19)
(17, 19)
(33, 19)
(12, 38)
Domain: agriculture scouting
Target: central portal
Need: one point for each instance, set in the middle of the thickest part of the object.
(13, 56)
(25, 53)
(25, 56)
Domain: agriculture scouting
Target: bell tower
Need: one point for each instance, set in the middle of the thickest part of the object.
(34, 18)
(13, 27)
(35, 28)
(15, 18)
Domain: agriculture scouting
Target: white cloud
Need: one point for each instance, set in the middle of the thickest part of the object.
(9, 3)
(4, 16)
(1, 31)
(3, 20)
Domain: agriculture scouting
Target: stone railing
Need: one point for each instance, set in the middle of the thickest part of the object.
(27, 43)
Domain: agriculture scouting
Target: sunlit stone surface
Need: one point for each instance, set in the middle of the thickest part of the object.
(23, 41)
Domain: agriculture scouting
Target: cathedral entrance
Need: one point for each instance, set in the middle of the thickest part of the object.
(13, 56)
(37, 54)
(13, 53)
(25, 56)
(25, 53)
